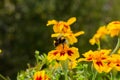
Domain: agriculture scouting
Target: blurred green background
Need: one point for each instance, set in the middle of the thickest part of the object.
(23, 27)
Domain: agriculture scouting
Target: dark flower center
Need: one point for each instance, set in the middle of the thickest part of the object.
(69, 52)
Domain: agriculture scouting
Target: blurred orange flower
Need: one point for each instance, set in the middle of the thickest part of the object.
(40, 75)
(114, 28)
(99, 58)
(63, 52)
(61, 26)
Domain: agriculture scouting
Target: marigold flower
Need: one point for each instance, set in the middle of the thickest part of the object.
(109, 64)
(116, 61)
(99, 34)
(40, 75)
(114, 28)
(98, 58)
(89, 55)
(63, 52)
(61, 26)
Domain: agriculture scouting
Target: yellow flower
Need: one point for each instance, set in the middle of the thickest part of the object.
(114, 28)
(109, 64)
(89, 55)
(70, 37)
(40, 75)
(99, 65)
(99, 34)
(63, 29)
(116, 61)
(63, 52)
(61, 26)
(98, 57)
(81, 59)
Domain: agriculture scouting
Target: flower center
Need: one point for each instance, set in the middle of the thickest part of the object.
(62, 53)
(99, 63)
(55, 53)
(39, 78)
(69, 52)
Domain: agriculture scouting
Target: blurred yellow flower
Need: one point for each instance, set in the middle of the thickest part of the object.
(110, 63)
(98, 57)
(40, 75)
(63, 29)
(101, 32)
(63, 52)
(61, 26)
(89, 55)
(116, 61)
(114, 28)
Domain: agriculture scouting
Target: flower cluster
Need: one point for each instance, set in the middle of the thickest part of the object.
(104, 60)
(64, 38)
(65, 59)
(112, 29)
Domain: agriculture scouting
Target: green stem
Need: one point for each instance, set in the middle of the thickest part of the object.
(66, 77)
(36, 56)
(65, 68)
(113, 75)
(98, 44)
(117, 46)
(94, 73)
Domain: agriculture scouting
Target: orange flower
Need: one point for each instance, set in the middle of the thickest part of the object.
(109, 64)
(40, 75)
(98, 57)
(63, 29)
(114, 28)
(61, 26)
(63, 52)
(89, 55)
(116, 61)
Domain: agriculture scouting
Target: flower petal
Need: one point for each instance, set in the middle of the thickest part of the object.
(51, 22)
(71, 20)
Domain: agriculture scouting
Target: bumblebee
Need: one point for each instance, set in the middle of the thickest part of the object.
(59, 40)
